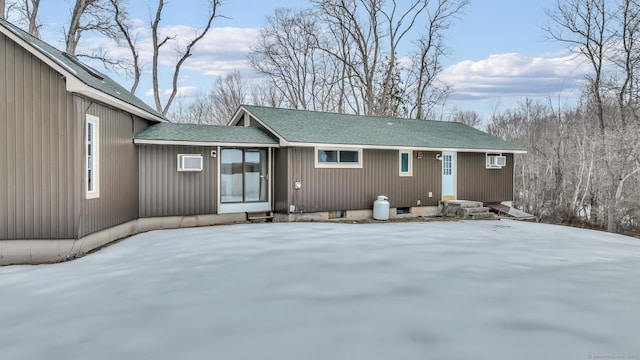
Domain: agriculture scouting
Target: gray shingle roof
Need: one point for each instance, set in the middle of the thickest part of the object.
(299, 126)
(206, 134)
(82, 71)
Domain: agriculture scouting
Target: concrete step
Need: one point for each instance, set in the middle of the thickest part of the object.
(463, 204)
(470, 210)
(480, 216)
(475, 210)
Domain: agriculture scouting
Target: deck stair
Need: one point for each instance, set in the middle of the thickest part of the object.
(468, 210)
(254, 216)
(504, 210)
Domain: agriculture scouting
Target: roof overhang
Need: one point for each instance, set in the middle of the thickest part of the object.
(199, 143)
(392, 147)
(74, 84)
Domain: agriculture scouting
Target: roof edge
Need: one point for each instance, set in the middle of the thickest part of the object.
(200, 143)
(77, 85)
(398, 147)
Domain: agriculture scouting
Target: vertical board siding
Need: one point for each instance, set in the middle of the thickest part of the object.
(118, 186)
(350, 189)
(37, 160)
(477, 183)
(164, 191)
(280, 180)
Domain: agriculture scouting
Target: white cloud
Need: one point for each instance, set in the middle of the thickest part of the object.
(221, 51)
(185, 91)
(514, 76)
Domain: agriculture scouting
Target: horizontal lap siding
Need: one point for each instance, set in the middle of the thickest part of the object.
(166, 192)
(350, 189)
(37, 161)
(477, 183)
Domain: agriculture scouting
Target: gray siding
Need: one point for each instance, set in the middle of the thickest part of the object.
(118, 201)
(166, 192)
(37, 149)
(281, 180)
(349, 189)
(477, 183)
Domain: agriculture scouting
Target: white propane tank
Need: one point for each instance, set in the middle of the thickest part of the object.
(381, 208)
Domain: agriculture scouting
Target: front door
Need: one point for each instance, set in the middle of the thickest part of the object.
(244, 180)
(448, 175)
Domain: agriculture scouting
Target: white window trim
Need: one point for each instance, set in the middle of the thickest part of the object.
(95, 121)
(410, 154)
(338, 165)
(179, 162)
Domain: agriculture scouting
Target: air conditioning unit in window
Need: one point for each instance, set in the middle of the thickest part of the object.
(190, 162)
(496, 161)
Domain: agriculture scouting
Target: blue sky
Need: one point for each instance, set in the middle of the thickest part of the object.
(500, 52)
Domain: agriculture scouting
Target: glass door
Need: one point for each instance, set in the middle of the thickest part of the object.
(244, 184)
(255, 175)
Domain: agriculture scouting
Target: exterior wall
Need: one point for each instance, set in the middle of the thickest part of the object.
(118, 201)
(166, 192)
(477, 183)
(38, 153)
(351, 189)
(281, 180)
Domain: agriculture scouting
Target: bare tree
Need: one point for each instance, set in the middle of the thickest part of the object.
(427, 60)
(227, 94)
(288, 54)
(87, 16)
(158, 43)
(468, 117)
(27, 14)
(121, 18)
(31, 13)
(343, 55)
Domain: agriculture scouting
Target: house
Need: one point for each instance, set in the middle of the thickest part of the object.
(83, 162)
(68, 165)
(316, 165)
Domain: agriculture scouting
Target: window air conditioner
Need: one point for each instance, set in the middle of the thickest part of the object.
(190, 162)
(496, 161)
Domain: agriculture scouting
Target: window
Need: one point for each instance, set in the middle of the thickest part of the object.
(190, 162)
(92, 160)
(406, 163)
(338, 158)
(447, 165)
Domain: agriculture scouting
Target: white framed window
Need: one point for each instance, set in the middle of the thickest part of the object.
(405, 163)
(190, 162)
(496, 161)
(447, 164)
(92, 160)
(338, 158)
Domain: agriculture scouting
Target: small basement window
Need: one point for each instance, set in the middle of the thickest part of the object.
(403, 210)
(190, 162)
(338, 158)
(338, 214)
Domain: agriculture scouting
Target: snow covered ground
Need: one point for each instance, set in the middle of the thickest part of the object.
(437, 290)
